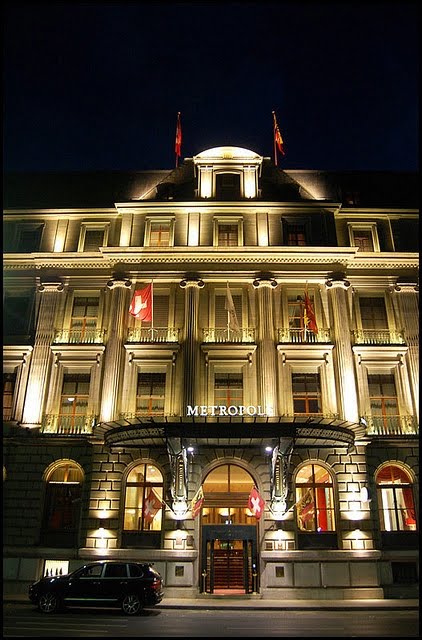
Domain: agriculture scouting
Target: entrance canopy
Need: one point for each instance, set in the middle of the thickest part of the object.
(213, 432)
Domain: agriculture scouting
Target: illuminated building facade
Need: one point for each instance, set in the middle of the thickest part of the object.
(282, 353)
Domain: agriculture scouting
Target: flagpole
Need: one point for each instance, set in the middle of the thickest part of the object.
(275, 144)
(228, 312)
(152, 309)
(178, 143)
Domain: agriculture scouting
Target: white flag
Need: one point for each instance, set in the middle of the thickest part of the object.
(231, 311)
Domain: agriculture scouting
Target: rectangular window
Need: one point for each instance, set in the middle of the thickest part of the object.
(228, 235)
(74, 402)
(18, 315)
(159, 234)
(373, 313)
(363, 239)
(306, 393)
(295, 310)
(227, 186)
(384, 402)
(9, 381)
(94, 239)
(295, 235)
(29, 238)
(405, 235)
(364, 236)
(84, 318)
(150, 394)
(228, 389)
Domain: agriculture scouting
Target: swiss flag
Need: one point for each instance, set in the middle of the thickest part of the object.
(141, 305)
(256, 503)
(152, 504)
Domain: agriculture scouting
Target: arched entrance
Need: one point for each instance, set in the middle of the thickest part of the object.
(229, 540)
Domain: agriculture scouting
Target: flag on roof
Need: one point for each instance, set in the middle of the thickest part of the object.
(277, 136)
(178, 141)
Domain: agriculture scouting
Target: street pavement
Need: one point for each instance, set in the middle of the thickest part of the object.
(256, 602)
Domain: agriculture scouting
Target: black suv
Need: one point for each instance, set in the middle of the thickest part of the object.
(128, 585)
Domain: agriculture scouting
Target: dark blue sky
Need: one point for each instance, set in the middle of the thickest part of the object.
(98, 85)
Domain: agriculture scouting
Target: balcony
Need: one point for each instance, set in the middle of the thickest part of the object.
(302, 336)
(156, 334)
(377, 337)
(68, 425)
(155, 412)
(222, 335)
(79, 336)
(390, 425)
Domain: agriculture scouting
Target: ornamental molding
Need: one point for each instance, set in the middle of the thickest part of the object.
(347, 258)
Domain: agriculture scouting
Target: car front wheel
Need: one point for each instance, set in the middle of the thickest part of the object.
(48, 603)
(131, 604)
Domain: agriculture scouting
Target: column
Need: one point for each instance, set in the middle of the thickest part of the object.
(266, 351)
(407, 296)
(41, 355)
(342, 353)
(114, 351)
(191, 341)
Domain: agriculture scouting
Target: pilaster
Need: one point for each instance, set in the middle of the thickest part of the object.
(191, 340)
(346, 380)
(406, 297)
(266, 351)
(41, 355)
(114, 352)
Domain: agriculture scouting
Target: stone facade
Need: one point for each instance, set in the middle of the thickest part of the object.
(94, 398)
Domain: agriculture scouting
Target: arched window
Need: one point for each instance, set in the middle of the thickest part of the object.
(396, 505)
(314, 499)
(226, 490)
(63, 501)
(143, 499)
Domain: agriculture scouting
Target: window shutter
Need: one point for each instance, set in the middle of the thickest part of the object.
(161, 311)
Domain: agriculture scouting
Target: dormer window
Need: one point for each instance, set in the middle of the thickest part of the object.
(227, 186)
(228, 173)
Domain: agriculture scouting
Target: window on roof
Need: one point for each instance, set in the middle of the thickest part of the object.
(227, 186)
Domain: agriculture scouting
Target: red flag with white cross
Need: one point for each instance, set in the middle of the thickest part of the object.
(256, 503)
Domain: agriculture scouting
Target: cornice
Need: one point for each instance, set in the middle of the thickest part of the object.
(109, 257)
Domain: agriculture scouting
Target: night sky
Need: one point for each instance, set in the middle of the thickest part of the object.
(97, 86)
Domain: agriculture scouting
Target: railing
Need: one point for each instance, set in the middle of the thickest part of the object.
(377, 336)
(79, 336)
(390, 425)
(158, 334)
(229, 335)
(141, 414)
(303, 336)
(68, 425)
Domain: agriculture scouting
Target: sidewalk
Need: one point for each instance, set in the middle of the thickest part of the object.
(264, 604)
